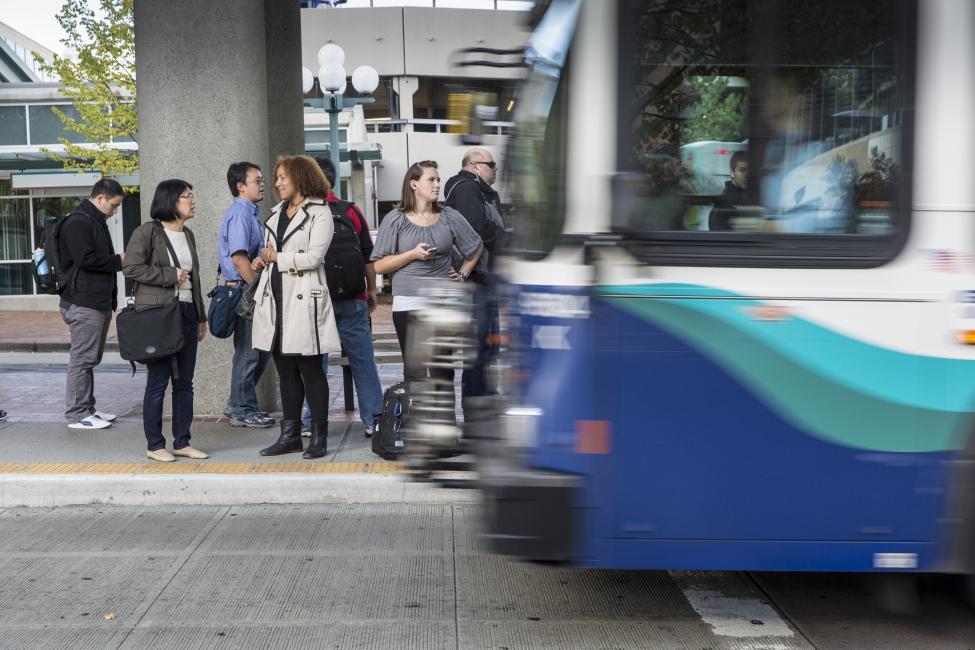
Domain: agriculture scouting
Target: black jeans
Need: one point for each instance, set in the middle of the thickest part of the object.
(411, 370)
(160, 372)
(302, 377)
(474, 382)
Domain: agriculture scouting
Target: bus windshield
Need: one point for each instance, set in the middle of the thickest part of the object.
(536, 154)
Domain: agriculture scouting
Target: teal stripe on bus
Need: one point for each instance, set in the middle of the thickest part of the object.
(837, 411)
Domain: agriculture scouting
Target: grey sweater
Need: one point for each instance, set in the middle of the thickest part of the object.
(397, 234)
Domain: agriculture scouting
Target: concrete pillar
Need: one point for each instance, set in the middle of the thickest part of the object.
(218, 82)
(405, 88)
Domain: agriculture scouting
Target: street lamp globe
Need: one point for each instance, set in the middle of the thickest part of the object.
(307, 80)
(331, 53)
(365, 79)
(331, 77)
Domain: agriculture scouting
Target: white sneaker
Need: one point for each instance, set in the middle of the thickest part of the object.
(107, 417)
(90, 422)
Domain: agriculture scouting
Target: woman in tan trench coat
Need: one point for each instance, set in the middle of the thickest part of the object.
(293, 319)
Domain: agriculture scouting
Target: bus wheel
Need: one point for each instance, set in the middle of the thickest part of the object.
(967, 584)
(897, 593)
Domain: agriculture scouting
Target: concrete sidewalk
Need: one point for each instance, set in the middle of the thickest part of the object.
(45, 331)
(44, 463)
(32, 386)
(352, 577)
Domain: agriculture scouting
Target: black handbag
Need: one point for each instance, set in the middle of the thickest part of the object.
(150, 332)
(247, 302)
(222, 311)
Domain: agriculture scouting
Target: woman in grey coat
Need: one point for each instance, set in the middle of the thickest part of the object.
(161, 259)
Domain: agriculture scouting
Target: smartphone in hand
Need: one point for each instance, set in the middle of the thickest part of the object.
(433, 250)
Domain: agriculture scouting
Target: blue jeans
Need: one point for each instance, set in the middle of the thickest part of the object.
(249, 365)
(160, 372)
(352, 320)
(474, 383)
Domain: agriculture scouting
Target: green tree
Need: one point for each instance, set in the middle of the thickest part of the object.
(100, 84)
(718, 114)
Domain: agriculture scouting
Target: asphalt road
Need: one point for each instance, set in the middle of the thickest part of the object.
(407, 576)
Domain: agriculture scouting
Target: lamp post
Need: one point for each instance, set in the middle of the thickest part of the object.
(331, 79)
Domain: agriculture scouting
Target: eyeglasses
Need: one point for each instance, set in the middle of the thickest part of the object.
(188, 197)
(258, 181)
(489, 163)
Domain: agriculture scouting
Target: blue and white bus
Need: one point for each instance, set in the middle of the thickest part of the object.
(792, 391)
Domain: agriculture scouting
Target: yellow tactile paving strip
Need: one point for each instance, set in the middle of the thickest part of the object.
(202, 467)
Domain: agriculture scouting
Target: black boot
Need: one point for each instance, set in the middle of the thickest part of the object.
(288, 442)
(319, 440)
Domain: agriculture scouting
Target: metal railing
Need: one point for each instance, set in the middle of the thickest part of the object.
(503, 5)
(386, 125)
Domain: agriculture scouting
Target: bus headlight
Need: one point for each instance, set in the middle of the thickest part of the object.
(520, 425)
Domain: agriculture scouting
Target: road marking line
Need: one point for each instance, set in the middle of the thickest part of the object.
(738, 614)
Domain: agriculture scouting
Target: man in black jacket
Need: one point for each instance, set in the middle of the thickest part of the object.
(89, 262)
(734, 194)
(470, 193)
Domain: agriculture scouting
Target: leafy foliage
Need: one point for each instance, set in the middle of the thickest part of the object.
(100, 84)
(717, 114)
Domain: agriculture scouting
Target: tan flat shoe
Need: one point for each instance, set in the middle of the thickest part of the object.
(160, 455)
(189, 452)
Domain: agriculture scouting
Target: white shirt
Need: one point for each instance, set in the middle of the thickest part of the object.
(182, 248)
(410, 303)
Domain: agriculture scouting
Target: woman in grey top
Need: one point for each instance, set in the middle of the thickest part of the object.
(414, 243)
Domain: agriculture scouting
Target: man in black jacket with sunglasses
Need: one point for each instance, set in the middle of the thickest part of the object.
(470, 193)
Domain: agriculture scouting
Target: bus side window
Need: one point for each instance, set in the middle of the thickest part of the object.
(787, 122)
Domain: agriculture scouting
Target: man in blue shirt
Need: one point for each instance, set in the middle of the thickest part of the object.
(241, 238)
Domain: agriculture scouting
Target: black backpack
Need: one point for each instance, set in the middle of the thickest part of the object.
(46, 263)
(345, 265)
(389, 441)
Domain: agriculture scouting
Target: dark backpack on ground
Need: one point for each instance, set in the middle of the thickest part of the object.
(46, 263)
(345, 266)
(389, 442)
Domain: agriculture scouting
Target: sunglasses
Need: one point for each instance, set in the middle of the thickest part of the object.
(490, 164)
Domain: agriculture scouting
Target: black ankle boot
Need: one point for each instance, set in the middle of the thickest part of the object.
(288, 442)
(319, 440)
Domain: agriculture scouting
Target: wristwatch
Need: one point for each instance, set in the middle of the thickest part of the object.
(463, 276)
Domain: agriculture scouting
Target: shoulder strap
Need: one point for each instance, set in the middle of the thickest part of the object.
(169, 244)
(345, 206)
(342, 213)
(460, 182)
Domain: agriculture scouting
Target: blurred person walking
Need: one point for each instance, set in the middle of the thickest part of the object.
(89, 262)
(414, 243)
(293, 318)
(161, 258)
(347, 269)
(470, 192)
(241, 236)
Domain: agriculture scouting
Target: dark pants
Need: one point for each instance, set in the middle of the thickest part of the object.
(160, 372)
(302, 377)
(474, 382)
(414, 372)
